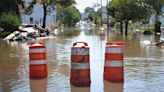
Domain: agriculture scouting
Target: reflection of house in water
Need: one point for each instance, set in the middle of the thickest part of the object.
(36, 17)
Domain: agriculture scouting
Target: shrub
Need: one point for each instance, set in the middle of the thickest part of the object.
(157, 26)
(9, 21)
(148, 32)
(3, 34)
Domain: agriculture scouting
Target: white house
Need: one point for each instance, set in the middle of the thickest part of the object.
(36, 17)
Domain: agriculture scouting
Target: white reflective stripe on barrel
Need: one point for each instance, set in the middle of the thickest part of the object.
(80, 51)
(118, 63)
(37, 50)
(36, 62)
(80, 65)
(110, 49)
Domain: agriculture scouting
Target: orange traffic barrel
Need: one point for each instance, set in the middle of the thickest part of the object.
(113, 67)
(37, 60)
(80, 66)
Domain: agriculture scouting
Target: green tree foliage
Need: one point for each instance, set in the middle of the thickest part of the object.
(125, 10)
(65, 3)
(156, 5)
(9, 21)
(97, 20)
(69, 15)
(10, 5)
(49, 3)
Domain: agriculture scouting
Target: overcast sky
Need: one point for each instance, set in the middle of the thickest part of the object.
(82, 4)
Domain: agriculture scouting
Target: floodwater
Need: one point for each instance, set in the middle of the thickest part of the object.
(143, 65)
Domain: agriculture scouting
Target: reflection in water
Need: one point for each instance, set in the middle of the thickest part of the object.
(143, 64)
(143, 74)
(80, 89)
(38, 85)
(112, 87)
(13, 73)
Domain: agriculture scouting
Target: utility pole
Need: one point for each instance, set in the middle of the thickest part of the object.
(107, 12)
(101, 13)
(107, 20)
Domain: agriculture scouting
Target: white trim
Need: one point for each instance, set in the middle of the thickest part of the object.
(37, 62)
(115, 50)
(80, 65)
(37, 50)
(80, 51)
(119, 63)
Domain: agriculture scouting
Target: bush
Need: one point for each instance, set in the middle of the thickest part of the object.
(9, 21)
(157, 26)
(148, 32)
(3, 34)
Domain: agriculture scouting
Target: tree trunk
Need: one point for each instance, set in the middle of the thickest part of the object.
(132, 26)
(126, 26)
(121, 27)
(44, 14)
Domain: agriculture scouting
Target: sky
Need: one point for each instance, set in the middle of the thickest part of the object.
(82, 4)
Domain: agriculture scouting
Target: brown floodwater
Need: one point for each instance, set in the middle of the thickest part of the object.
(143, 65)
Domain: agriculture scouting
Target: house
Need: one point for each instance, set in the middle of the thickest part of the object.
(36, 17)
(153, 17)
(162, 18)
(84, 16)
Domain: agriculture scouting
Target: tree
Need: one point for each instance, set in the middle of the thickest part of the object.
(10, 5)
(69, 15)
(114, 10)
(9, 21)
(50, 3)
(156, 5)
(125, 10)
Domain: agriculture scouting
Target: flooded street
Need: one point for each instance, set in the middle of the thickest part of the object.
(143, 65)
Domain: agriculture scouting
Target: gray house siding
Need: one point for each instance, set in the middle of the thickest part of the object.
(161, 18)
(36, 17)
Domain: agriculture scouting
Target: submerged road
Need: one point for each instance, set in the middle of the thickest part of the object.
(143, 65)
